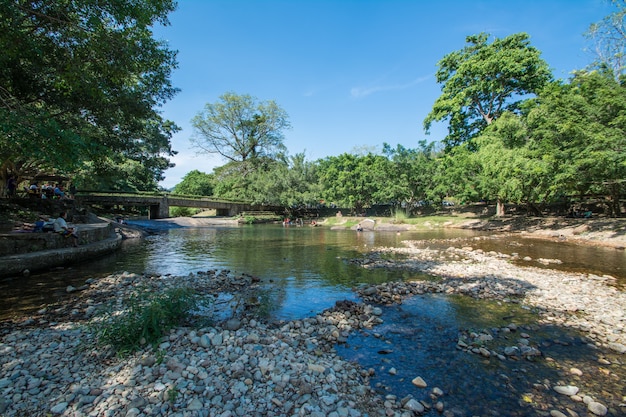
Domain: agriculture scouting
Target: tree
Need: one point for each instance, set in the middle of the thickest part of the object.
(239, 128)
(81, 80)
(352, 180)
(196, 183)
(581, 128)
(507, 166)
(609, 40)
(483, 80)
(409, 175)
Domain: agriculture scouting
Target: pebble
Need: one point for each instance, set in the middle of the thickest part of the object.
(419, 382)
(239, 367)
(568, 390)
(597, 409)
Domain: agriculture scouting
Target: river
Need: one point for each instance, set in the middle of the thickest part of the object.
(307, 265)
(307, 270)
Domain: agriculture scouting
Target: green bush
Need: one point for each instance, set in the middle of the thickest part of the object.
(143, 319)
(183, 211)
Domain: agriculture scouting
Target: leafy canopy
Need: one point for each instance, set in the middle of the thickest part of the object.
(81, 80)
(482, 80)
(240, 128)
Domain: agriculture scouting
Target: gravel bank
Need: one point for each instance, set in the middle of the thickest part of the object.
(238, 367)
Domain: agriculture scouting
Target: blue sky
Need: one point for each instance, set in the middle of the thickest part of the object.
(351, 74)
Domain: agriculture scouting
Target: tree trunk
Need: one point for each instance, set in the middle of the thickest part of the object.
(500, 208)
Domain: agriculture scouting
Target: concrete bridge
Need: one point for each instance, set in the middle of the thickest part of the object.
(159, 205)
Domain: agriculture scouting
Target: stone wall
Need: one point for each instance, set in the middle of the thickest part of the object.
(27, 242)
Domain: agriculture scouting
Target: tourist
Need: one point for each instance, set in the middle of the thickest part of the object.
(11, 186)
(58, 192)
(61, 227)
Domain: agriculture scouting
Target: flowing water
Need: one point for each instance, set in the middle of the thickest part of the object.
(307, 272)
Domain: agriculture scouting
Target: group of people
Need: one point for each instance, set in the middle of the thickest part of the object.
(47, 191)
(58, 225)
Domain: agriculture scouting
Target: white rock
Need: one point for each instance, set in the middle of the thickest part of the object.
(597, 408)
(414, 406)
(568, 390)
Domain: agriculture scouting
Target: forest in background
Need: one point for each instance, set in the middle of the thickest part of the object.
(81, 84)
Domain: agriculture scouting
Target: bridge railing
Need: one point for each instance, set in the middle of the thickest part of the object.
(121, 194)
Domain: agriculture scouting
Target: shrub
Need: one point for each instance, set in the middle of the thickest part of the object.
(144, 318)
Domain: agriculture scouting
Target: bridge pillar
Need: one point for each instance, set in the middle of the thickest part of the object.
(161, 210)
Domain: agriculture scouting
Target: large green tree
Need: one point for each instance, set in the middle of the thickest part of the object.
(507, 167)
(81, 82)
(482, 80)
(196, 183)
(581, 128)
(241, 128)
(353, 180)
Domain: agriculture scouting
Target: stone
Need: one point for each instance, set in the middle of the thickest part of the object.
(575, 371)
(195, 405)
(557, 413)
(617, 347)
(232, 324)
(597, 408)
(205, 341)
(419, 382)
(568, 390)
(59, 408)
(414, 406)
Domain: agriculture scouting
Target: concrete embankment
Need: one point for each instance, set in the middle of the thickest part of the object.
(28, 252)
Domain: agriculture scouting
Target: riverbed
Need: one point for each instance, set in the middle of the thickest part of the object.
(445, 317)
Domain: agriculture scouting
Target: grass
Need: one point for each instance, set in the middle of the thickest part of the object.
(143, 318)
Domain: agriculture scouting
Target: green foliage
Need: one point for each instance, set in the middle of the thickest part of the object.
(172, 394)
(195, 183)
(352, 181)
(239, 128)
(183, 211)
(409, 175)
(143, 318)
(81, 82)
(483, 80)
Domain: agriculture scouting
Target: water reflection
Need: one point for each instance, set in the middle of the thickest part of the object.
(304, 266)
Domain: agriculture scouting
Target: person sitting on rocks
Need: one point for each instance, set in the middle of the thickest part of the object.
(61, 227)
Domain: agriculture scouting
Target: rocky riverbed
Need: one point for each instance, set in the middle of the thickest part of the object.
(235, 364)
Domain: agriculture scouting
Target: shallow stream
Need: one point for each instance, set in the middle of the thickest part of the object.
(305, 271)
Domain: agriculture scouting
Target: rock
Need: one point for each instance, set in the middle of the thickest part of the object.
(419, 382)
(205, 341)
(617, 347)
(556, 413)
(576, 371)
(568, 390)
(232, 324)
(59, 408)
(414, 406)
(195, 405)
(369, 291)
(597, 408)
